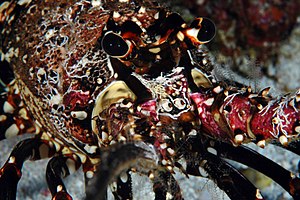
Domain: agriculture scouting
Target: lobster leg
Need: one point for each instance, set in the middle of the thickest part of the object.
(10, 173)
(15, 119)
(114, 161)
(236, 185)
(165, 186)
(227, 178)
(123, 186)
(293, 146)
(58, 168)
(247, 156)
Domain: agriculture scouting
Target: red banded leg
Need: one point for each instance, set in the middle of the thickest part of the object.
(14, 116)
(59, 167)
(10, 173)
(241, 116)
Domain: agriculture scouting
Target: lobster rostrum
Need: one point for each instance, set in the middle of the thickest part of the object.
(124, 86)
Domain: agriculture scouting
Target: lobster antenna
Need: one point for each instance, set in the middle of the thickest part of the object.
(255, 73)
(222, 70)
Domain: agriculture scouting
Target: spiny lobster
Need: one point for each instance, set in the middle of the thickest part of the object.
(124, 86)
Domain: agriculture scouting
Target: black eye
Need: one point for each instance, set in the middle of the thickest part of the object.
(207, 31)
(114, 45)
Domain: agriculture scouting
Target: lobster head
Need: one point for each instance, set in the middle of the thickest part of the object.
(151, 39)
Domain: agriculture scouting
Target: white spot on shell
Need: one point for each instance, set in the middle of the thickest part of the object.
(22, 126)
(169, 196)
(209, 101)
(124, 177)
(200, 110)
(155, 50)
(99, 81)
(193, 132)
(49, 34)
(142, 9)
(59, 188)
(217, 89)
(81, 115)
(170, 168)
(239, 138)
(212, 150)
(171, 151)
(96, 3)
(12, 131)
(23, 2)
(56, 100)
(166, 105)
(193, 32)
(261, 143)
(163, 145)
(3, 118)
(90, 149)
(151, 176)
(116, 14)
(283, 140)
(104, 136)
(89, 174)
(11, 53)
(180, 103)
(259, 106)
(180, 36)
(11, 159)
(41, 71)
(156, 16)
(23, 114)
(121, 138)
(203, 172)
(8, 108)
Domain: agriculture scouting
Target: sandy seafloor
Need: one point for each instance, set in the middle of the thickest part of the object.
(33, 182)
